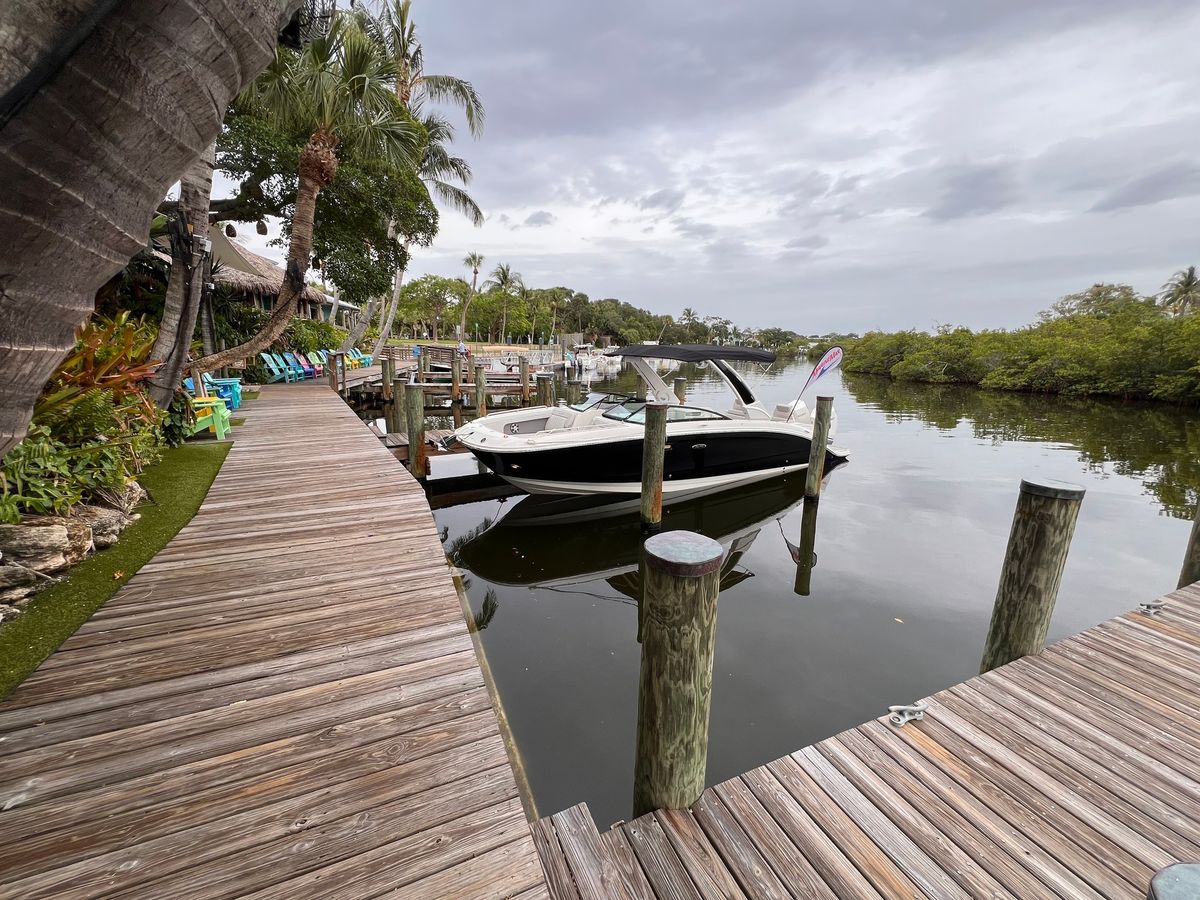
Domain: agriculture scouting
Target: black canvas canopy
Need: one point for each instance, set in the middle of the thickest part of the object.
(694, 352)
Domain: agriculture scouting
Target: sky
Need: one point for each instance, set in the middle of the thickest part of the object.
(832, 165)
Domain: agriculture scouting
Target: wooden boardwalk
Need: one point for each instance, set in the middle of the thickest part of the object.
(1072, 774)
(285, 702)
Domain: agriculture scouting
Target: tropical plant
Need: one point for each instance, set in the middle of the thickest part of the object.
(338, 90)
(1182, 293)
(474, 262)
(506, 283)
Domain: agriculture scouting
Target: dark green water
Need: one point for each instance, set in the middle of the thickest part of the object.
(910, 538)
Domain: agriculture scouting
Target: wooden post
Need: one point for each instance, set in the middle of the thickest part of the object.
(393, 413)
(683, 574)
(574, 391)
(805, 557)
(681, 389)
(1033, 565)
(545, 390)
(388, 375)
(523, 363)
(414, 409)
(455, 377)
(331, 370)
(816, 450)
(1191, 559)
(653, 455)
(480, 390)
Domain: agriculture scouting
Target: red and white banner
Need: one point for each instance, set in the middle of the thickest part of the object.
(830, 361)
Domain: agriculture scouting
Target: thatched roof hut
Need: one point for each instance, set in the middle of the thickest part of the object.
(259, 280)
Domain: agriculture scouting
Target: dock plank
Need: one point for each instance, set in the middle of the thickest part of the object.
(284, 700)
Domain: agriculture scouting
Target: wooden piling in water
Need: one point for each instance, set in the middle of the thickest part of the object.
(523, 366)
(388, 365)
(681, 389)
(1043, 525)
(1191, 558)
(545, 390)
(414, 410)
(393, 412)
(480, 390)
(653, 455)
(816, 451)
(574, 391)
(683, 572)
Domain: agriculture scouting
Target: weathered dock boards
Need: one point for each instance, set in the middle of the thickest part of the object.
(285, 702)
(1074, 773)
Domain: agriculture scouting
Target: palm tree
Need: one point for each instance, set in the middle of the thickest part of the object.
(1182, 292)
(340, 91)
(474, 262)
(76, 212)
(507, 282)
(445, 175)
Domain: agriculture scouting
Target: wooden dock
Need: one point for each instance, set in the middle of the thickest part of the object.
(1073, 774)
(286, 702)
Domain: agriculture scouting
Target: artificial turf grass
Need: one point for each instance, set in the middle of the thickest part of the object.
(177, 485)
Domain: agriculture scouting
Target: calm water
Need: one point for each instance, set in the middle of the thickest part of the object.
(910, 538)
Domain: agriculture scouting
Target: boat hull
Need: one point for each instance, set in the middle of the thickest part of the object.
(692, 463)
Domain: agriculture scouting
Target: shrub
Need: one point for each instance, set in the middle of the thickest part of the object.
(307, 335)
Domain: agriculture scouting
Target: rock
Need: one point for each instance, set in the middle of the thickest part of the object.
(7, 612)
(106, 523)
(79, 542)
(126, 500)
(16, 583)
(35, 537)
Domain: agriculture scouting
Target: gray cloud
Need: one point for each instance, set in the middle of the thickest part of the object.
(667, 199)
(1178, 179)
(540, 218)
(973, 190)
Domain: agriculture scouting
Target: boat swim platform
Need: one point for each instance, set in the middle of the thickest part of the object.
(285, 702)
(1074, 773)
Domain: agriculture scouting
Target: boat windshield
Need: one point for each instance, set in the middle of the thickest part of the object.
(628, 410)
(604, 401)
(634, 412)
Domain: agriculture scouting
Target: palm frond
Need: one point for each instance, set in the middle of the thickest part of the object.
(459, 92)
(458, 199)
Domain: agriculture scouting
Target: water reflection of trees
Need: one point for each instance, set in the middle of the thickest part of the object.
(1156, 443)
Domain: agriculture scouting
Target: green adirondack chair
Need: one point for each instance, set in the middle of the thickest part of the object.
(211, 415)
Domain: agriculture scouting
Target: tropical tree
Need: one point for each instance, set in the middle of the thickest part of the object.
(1182, 292)
(71, 216)
(339, 91)
(474, 262)
(507, 283)
(445, 175)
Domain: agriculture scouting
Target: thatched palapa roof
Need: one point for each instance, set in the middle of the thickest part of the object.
(253, 274)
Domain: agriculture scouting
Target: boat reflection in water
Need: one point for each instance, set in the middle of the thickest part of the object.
(560, 542)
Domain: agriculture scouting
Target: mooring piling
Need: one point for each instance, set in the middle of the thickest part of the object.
(681, 389)
(523, 366)
(1043, 525)
(480, 389)
(545, 389)
(654, 446)
(682, 581)
(393, 412)
(816, 451)
(1190, 572)
(414, 410)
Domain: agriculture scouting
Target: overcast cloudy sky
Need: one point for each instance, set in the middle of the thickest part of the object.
(830, 164)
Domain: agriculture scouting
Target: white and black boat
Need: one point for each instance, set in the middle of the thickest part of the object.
(595, 447)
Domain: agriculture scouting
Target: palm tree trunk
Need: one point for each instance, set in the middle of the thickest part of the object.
(71, 215)
(184, 286)
(503, 318)
(360, 327)
(385, 326)
(318, 164)
(462, 320)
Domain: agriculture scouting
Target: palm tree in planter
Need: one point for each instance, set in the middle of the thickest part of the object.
(1181, 292)
(338, 92)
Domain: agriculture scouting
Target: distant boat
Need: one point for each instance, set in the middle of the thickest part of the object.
(595, 447)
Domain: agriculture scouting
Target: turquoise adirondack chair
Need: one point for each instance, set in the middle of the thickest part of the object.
(234, 385)
(294, 368)
(295, 359)
(276, 370)
(363, 358)
(230, 394)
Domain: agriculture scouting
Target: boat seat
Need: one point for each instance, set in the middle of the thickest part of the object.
(560, 418)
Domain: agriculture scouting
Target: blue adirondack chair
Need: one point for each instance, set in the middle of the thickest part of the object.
(363, 358)
(221, 391)
(233, 385)
(295, 359)
(276, 370)
(294, 368)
